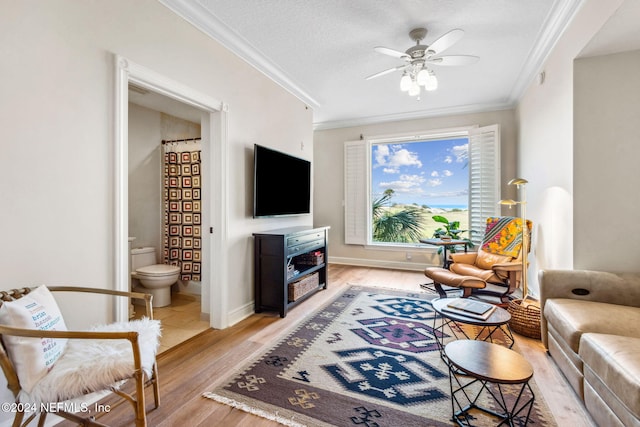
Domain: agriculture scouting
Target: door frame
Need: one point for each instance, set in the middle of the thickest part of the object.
(214, 193)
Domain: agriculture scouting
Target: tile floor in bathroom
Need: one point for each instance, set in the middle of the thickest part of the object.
(180, 321)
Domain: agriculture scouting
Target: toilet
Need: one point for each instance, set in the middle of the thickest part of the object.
(155, 279)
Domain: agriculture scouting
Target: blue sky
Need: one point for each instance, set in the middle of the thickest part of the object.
(432, 173)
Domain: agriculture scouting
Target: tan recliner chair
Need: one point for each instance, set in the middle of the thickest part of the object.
(496, 269)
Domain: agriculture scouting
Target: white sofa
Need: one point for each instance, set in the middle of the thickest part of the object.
(591, 328)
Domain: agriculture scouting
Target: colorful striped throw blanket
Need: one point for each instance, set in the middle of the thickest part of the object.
(503, 235)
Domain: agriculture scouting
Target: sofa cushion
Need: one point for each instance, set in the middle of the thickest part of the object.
(614, 360)
(571, 318)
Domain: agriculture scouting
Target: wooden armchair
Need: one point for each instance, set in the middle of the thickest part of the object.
(49, 368)
(496, 269)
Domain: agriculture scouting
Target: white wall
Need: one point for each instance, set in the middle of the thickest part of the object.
(145, 177)
(546, 145)
(329, 188)
(606, 172)
(57, 121)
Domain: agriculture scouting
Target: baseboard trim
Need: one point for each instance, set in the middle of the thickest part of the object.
(363, 262)
(247, 310)
(240, 313)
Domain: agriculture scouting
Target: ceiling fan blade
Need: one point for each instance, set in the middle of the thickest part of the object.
(445, 41)
(454, 60)
(382, 73)
(391, 52)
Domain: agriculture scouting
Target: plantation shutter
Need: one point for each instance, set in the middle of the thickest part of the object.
(484, 178)
(355, 193)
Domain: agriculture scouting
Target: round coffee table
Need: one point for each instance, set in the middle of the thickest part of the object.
(494, 367)
(498, 320)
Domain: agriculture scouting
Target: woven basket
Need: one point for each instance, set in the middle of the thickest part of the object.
(525, 320)
(303, 286)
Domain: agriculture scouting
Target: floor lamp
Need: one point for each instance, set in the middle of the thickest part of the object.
(520, 184)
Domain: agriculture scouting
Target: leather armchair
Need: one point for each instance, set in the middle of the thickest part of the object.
(483, 272)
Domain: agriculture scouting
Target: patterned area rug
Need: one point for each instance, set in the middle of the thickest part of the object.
(368, 358)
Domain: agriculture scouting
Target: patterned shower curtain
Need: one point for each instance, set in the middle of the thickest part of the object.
(183, 208)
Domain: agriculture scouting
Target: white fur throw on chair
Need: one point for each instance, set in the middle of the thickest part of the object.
(92, 365)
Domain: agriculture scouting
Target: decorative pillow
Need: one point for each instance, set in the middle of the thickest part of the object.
(33, 357)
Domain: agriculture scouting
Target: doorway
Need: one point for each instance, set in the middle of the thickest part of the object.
(214, 152)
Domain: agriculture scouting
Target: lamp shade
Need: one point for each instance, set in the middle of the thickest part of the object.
(518, 181)
(422, 77)
(405, 82)
(431, 83)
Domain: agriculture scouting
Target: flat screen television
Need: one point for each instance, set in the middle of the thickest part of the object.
(282, 183)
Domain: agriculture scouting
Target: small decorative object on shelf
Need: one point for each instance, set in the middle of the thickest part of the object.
(291, 271)
(312, 258)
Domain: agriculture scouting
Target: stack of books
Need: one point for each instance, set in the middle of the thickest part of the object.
(470, 308)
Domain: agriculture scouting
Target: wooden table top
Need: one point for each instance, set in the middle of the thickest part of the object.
(489, 362)
(500, 316)
(440, 242)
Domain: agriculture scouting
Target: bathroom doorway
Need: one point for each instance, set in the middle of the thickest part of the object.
(165, 208)
(213, 131)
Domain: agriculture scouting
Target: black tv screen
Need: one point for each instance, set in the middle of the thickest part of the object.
(282, 183)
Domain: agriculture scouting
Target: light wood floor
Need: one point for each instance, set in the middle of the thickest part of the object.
(180, 321)
(197, 365)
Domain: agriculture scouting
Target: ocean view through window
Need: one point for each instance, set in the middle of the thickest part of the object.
(412, 181)
(395, 184)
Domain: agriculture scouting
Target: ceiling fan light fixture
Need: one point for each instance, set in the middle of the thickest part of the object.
(405, 82)
(422, 77)
(414, 90)
(416, 71)
(431, 82)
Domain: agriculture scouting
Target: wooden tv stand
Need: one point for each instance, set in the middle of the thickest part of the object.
(274, 252)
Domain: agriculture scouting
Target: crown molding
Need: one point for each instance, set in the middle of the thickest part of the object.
(201, 18)
(561, 14)
(414, 115)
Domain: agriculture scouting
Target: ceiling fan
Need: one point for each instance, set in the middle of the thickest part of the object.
(418, 58)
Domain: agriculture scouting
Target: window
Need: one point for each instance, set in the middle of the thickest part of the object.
(453, 173)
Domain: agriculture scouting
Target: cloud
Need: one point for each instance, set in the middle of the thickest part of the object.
(381, 153)
(405, 184)
(448, 159)
(461, 153)
(447, 172)
(393, 157)
(435, 173)
(434, 182)
(404, 157)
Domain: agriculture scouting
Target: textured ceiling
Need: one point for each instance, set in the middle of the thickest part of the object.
(322, 50)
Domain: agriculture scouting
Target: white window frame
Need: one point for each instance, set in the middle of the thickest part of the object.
(357, 182)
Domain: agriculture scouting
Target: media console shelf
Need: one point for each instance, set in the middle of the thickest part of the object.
(295, 257)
